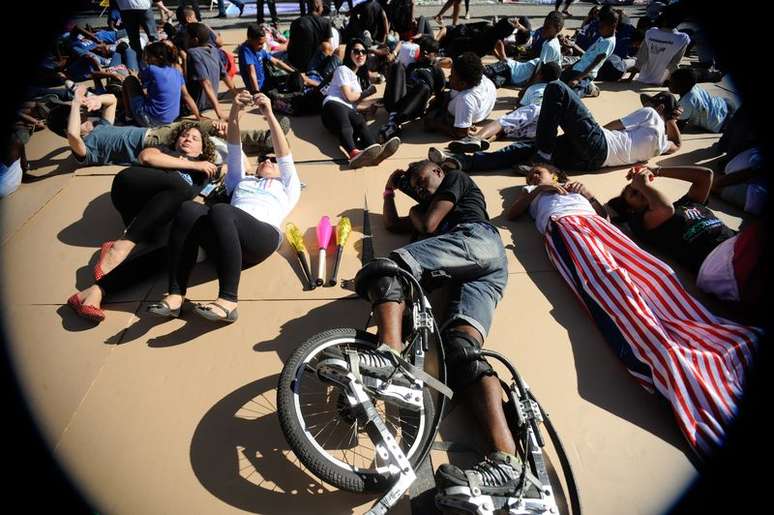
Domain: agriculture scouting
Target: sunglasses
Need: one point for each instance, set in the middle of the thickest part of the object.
(264, 157)
(359, 51)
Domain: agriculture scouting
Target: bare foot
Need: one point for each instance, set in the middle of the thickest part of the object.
(91, 296)
(116, 255)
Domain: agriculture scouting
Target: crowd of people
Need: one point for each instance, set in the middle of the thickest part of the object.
(188, 183)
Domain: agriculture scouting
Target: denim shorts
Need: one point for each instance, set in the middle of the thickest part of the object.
(140, 113)
(474, 256)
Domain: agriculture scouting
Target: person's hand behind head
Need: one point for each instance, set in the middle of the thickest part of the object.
(392, 181)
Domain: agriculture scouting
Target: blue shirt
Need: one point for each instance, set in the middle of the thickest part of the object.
(203, 63)
(522, 71)
(164, 84)
(248, 56)
(587, 35)
(601, 46)
(703, 110)
(107, 144)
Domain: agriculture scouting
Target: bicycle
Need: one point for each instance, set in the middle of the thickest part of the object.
(366, 428)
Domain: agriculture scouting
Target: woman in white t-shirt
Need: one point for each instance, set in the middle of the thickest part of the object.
(238, 234)
(667, 340)
(340, 110)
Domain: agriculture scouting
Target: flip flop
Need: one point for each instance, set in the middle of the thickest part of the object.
(104, 249)
(207, 312)
(162, 309)
(90, 313)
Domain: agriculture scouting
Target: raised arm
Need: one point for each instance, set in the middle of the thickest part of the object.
(74, 124)
(235, 171)
(393, 222)
(279, 142)
(659, 208)
(673, 135)
(699, 177)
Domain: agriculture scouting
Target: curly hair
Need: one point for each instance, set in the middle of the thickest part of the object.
(468, 68)
(208, 149)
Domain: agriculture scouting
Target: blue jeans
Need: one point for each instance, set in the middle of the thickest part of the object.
(133, 20)
(582, 146)
(129, 59)
(474, 256)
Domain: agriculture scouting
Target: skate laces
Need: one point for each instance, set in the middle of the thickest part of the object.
(494, 472)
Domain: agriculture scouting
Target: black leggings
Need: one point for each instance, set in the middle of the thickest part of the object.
(406, 100)
(346, 123)
(230, 236)
(148, 199)
(272, 11)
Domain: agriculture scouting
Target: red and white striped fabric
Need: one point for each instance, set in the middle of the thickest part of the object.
(697, 360)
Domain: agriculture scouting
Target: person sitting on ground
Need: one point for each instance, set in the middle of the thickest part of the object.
(520, 123)
(94, 140)
(642, 310)
(205, 70)
(456, 237)
(165, 87)
(253, 60)
(700, 109)
(311, 43)
(546, 45)
(341, 115)
(238, 234)
(580, 76)
(584, 146)
(662, 50)
(409, 88)
(623, 58)
(370, 17)
(687, 230)
(470, 101)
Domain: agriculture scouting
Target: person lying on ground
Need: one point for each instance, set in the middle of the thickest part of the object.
(642, 310)
(688, 231)
(585, 145)
(482, 38)
(700, 109)
(95, 141)
(238, 234)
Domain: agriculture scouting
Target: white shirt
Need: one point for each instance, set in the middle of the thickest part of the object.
(267, 200)
(548, 205)
(658, 50)
(343, 76)
(472, 105)
(644, 136)
(129, 5)
(551, 52)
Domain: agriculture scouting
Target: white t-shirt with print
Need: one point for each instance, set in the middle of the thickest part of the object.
(547, 205)
(343, 76)
(659, 48)
(644, 136)
(268, 200)
(472, 105)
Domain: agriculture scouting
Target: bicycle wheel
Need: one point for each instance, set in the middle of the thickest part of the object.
(319, 427)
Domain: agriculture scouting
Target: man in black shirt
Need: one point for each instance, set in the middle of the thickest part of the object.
(369, 16)
(310, 40)
(458, 239)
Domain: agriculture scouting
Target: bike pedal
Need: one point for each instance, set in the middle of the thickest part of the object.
(462, 502)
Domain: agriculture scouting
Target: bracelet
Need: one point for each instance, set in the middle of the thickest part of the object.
(388, 193)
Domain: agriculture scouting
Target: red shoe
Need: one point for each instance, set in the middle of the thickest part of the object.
(98, 273)
(90, 313)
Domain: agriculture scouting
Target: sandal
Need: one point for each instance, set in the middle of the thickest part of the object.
(162, 309)
(207, 312)
(90, 313)
(104, 249)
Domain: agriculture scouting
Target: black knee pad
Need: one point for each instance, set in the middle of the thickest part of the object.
(464, 363)
(378, 282)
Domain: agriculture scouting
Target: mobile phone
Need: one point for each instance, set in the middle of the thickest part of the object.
(208, 188)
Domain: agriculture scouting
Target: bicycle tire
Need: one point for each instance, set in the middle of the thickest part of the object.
(311, 455)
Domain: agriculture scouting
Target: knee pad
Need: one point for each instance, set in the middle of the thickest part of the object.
(464, 362)
(378, 282)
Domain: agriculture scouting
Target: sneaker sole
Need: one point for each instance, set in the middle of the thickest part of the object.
(388, 150)
(459, 147)
(366, 157)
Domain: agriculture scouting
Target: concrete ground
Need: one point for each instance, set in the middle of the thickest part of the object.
(179, 417)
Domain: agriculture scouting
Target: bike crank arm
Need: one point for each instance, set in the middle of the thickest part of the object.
(385, 445)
